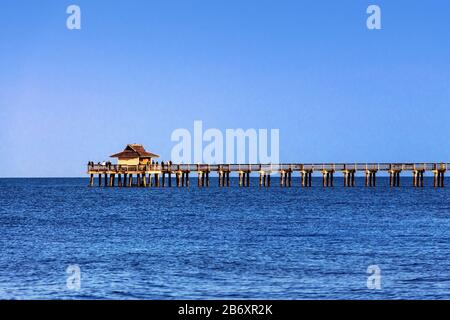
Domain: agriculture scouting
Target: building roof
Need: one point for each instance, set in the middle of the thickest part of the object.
(134, 151)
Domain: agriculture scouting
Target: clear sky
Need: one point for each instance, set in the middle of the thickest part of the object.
(137, 70)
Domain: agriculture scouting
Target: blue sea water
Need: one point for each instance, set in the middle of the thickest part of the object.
(223, 243)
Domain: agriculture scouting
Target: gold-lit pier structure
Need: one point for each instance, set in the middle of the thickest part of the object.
(161, 175)
(136, 167)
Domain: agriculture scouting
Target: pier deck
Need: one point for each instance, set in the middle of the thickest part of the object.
(156, 174)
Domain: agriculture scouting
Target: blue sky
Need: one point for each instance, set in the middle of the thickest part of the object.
(137, 70)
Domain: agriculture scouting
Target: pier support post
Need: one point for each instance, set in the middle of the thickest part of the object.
(327, 178)
(248, 179)
(202, 179)
(418, 178)
(394, 178)
(157, 180)
(138, 179)
(144, 180)
(169, 179)
(421, 177)
(371, 178)
(178, 179)
(125, 181)
(187, 179)
(106, 179)
(207, 178)
(285, 178)
(439, 178)
(91, 180)
(349, 178)
(130, 180)
(306, 178)
(119, 180)
(111, 180)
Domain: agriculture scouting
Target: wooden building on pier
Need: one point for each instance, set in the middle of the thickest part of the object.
(133, 155)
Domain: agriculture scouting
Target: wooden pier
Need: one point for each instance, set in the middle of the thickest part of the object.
(161, 175)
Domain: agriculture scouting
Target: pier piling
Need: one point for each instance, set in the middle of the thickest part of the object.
(349, 178)
(439, 178)
(418, 178)
(394, 178)
(371, 178)
(327, 178)
(306, 177)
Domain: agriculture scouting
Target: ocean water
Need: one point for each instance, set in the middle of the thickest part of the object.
(223, 243)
